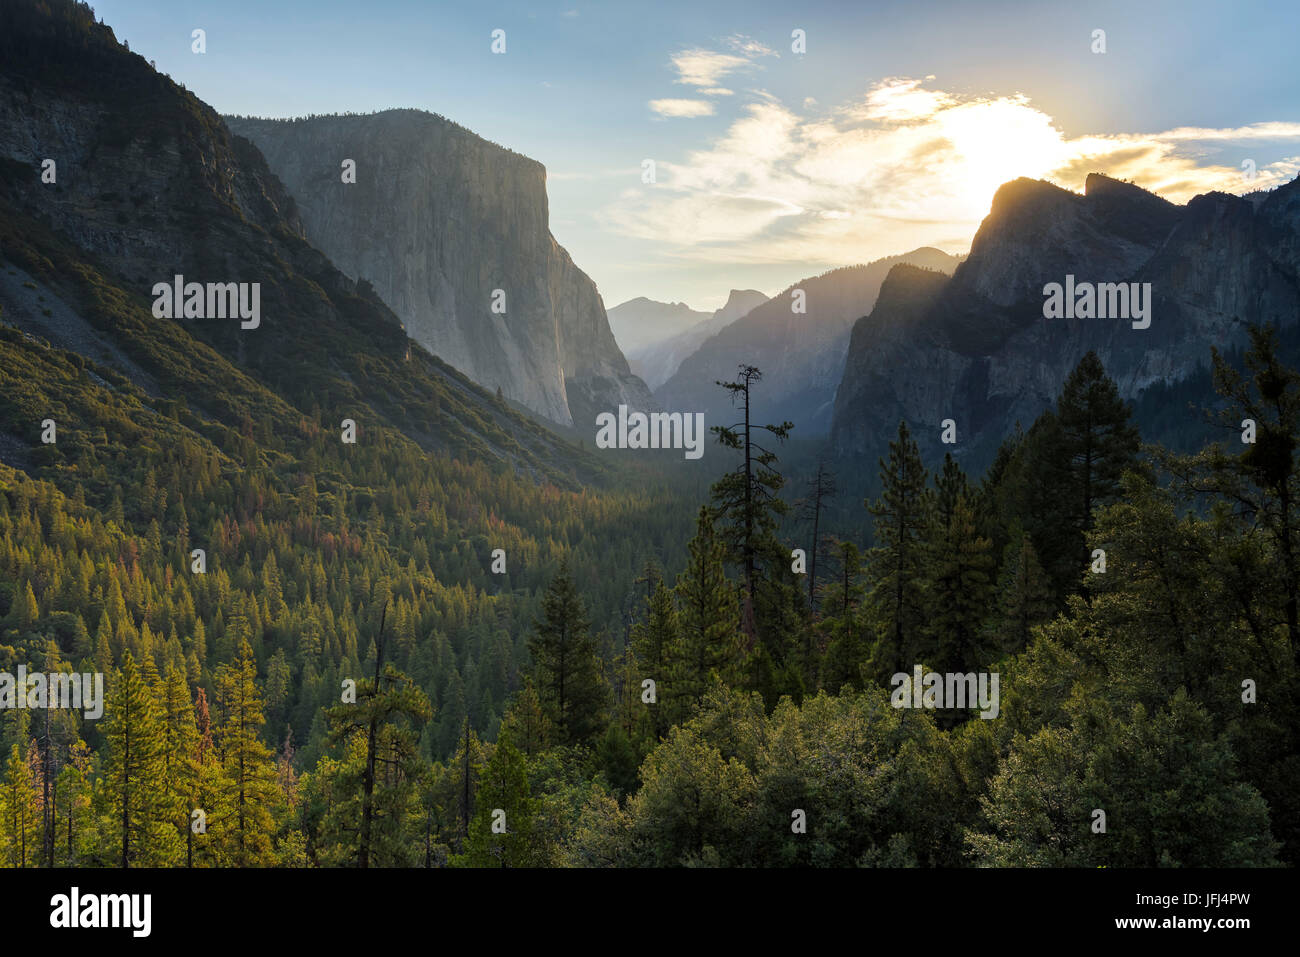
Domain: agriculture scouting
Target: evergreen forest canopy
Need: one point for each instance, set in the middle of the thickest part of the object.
(506, 720)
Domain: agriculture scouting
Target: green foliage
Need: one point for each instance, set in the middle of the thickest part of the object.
(902, 515)
(567, 671)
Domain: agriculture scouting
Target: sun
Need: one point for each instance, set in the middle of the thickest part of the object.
(995, 141)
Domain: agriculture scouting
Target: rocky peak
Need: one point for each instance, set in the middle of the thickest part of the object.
(979, 350)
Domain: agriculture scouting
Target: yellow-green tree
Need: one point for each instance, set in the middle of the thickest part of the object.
(242, 824)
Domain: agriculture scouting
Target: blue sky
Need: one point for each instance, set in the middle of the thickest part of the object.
(890, 131)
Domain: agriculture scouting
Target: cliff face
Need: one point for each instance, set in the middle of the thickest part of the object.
(977, 348)
(438, 220)
(801, 355)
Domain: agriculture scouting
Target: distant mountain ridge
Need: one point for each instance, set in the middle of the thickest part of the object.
(976, 348)
(656, 363)
(641, 323)
(453, 232)
(801, 355)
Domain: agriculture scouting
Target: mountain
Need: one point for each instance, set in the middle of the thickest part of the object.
(801, 355)
(451, 230)
(149, 184)
(976, 348)
(641, 323)
(656, 363)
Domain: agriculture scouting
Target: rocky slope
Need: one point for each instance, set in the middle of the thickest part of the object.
(977, 348)
(801, 355)
(438, 220)
(656, 364)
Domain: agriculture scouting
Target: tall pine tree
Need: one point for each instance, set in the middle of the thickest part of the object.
(567, 670)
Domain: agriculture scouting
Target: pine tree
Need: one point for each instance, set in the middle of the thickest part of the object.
(135, 741)
(653, 642)
(527, 721)
(844, 625)
(1098, 441)
(567, 670)
(386, 769)
(746, 500)
(709, 645)
(1024, 594)
(1259, 477)
(180, 737)
(20, 813)
(897, 561)
(248, 791)
(959, 576)
(821, 489)
(502, 833)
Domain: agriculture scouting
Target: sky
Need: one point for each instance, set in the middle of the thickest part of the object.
(891, 128)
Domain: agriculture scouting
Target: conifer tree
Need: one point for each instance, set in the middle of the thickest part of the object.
(135, 764)
(1071, 463)
(1098, 442)
(959, 577)
(1024, 594)
(567, 671)
(746, 500)
(897, 561)
(821, 488)
(1259, 477)
(502, 833)
(180, 738)
(844, 625)
(20, 814)
(385, 767)
(709, 644)
(526, 720)
(248, 789)
(653, 645)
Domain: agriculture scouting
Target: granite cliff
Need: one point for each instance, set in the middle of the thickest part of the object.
(438, 220)
(976, 348)
(114, 180)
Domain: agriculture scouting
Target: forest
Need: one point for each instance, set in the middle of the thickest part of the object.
(347, 682)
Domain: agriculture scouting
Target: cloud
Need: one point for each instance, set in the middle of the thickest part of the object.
(898, 99)
(682, 107)
(748, 46)
(705, 67)
(901, 166)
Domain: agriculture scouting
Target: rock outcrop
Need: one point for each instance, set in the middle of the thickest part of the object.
(977, 348)
(451, 229)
